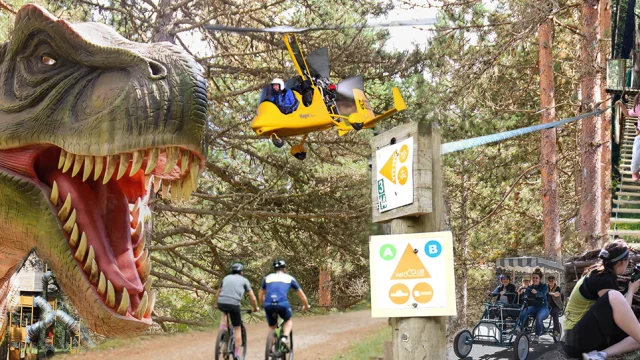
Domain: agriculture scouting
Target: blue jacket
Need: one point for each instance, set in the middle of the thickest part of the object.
(286, 102)
(540, 296)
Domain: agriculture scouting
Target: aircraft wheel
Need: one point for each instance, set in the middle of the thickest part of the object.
(277, 141)
(300, 155)
(358, 126)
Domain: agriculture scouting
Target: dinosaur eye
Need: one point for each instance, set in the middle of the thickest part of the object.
(48, 60)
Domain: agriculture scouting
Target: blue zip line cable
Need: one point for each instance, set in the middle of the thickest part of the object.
(487, 139)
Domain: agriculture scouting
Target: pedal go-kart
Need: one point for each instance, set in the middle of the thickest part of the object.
(497, 326)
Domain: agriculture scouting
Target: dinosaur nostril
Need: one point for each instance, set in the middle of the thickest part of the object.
(157, 69)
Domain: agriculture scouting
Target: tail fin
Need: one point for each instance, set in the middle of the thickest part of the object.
(398, 105)
(362, 104)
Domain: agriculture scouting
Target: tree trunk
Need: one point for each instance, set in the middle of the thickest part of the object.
(164, 22)
(324, 286)
(591, 149)
(605, 38)
(462, 241)
(550, 215)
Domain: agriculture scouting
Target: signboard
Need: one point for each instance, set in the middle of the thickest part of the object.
(395, 175)
(412, 275)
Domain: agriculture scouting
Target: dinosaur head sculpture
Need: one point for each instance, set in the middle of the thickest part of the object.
(90, 123)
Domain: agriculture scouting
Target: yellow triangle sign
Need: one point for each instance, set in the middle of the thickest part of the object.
(388, 169)
(410, 267)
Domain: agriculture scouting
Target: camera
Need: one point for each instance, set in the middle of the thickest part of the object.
(636, 273)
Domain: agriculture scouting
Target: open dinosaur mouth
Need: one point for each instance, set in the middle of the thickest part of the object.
(101, 204)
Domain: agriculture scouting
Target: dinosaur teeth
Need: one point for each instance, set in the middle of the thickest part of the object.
(135, 211)
(91, 257)
(142, 307)
(124, 302)
(68, 226)
(77, 165)
(136, 164)
(68, 161)
(165, 189)
(110, 301)
(147, 285)
(73, 238)
(88, 167)
(152, 160)
(102, 284)
(156, 183)
(193, 172)
(111, 167)
(98, 167)
(184, 161)
(93, 277)
(144, 265)
(66, 208)
(54, 193)
(139, 248)
(176, 191)
(150, 304)
(124, 164)
(63, 157)
(82, 249)
(172, 154)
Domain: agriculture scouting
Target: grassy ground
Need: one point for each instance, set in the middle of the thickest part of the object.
(370, 346)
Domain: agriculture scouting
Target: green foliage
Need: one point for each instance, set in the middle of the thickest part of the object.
(370, 346)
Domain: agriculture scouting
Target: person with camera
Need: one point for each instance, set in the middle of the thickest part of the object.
(600, 322)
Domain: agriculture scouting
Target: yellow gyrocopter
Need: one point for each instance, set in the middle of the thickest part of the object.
(322, 105)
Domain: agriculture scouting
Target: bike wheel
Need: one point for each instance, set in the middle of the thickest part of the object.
(463, 343)
(271, 349)
(244, 342)
(290, 357)
(221, 345)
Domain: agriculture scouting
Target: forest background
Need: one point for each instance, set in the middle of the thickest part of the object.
(479, 74)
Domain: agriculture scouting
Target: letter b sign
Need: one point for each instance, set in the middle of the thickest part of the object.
(433, 248)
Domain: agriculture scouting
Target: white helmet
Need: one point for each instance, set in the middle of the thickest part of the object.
(279, 82)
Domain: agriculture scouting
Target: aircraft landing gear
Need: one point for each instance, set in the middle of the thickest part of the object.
(298, 151)
(277, 141)
(357, 126)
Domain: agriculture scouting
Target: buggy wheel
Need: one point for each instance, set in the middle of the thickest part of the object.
(521, 347)
(221, 345)
(462, 343)
(557, 333)
(271, 349)
(278, 142)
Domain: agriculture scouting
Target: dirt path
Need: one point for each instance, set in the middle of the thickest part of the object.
(315, 338)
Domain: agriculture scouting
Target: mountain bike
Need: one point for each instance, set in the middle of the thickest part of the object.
(275, 350)
(225, 343)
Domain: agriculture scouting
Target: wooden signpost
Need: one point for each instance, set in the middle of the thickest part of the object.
(407, 191)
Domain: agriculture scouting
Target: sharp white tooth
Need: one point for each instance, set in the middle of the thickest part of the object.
(88, 167)
(77, 165)
(165, 188)
(54, 193)
(176, 191)
(151, 304)
(186, 188)
(193, 172)
(136, 164)
(124, 302)
(147, 181)
(141, 243)
(73, 238)
(98, 167)
(156, 183)
(172, 154)
(111, 295)
(148, 284)
(93, 277)
(66, 208)
(102, 284)
(142, 307)
(91, 257)
(124, 164)
(68, 161)
(63, 158)
(152, 160)
(144, 266)
(82, 248)
(136, 211)
(112, 161)
(184, 161)
(68, 226)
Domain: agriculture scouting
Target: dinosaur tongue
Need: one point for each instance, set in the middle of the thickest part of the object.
(103, 215)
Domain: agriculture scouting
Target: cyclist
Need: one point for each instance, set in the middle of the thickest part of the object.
(234, 286)
(273, 295)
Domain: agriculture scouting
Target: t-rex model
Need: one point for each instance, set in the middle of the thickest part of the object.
(87, 119)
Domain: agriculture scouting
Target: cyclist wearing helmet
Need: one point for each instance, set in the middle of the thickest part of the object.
(274, 297)
(234, 286)
(283, 98)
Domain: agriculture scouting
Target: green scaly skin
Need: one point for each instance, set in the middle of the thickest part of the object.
(71, 97)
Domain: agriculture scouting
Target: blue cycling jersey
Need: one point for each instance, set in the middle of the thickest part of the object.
(277, 287)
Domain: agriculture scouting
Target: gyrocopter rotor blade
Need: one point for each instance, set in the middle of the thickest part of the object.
(318, 62)
(291, 29)
(346, 86)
